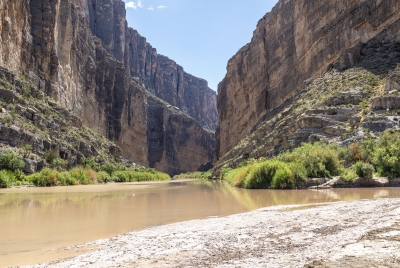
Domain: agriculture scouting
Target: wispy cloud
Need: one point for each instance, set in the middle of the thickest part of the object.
(130, 5)
(139, 4)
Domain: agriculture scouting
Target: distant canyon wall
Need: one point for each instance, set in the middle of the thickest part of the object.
(158, 74)
(51, 42)
(297, 40)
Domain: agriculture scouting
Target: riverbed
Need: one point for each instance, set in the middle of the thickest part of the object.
(46, 224)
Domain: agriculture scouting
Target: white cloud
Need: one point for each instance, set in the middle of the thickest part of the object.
(130, 5)
(139, 4)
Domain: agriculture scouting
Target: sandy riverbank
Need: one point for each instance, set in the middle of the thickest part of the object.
(343, 234)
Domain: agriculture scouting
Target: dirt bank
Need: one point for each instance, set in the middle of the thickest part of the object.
(343, 234)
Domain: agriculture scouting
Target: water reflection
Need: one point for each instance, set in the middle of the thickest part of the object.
(37, 220)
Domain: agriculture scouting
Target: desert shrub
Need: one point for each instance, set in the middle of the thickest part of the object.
(348, 174)
(355, 152)
(49, 156)
(90, 163)
(283, 178)
(224, 172)
(364, 170)
(84, 176)
(66, 178)
(261, 175)
(121, 176)
(236, 176)
(103, 177)
(26, 150)
(109, 168)
(386, 156)
(367, 150)
(7, 179)
(11, 161)
(319, 159)
(194, 175)
(120, 167)
(59, 163)
(161, 176)
(45, 178)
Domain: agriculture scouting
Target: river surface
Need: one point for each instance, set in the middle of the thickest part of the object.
(38, 223)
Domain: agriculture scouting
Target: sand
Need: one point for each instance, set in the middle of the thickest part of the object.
(362, 233)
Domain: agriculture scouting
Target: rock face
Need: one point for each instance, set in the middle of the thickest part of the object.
(296, 41)
(82, 54)
(157, 73)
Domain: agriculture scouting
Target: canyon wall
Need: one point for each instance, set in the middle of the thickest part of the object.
(74, 51)
(297, 41)
(158, 74)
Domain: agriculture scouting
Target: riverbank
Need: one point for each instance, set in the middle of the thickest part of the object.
(343, 234)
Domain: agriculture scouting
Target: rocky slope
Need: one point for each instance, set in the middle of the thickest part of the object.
(38, 128)
(312, 71)
(74, 52)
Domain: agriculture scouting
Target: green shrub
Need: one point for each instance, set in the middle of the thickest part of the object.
(319, 159)
(11, 161)
(386, 156)
(109, 168)
(283, 179)
(84, 176)
(348, 174)
(194, 175)
(66, 178)
(45, 178)
(121, 176)
(59, 163)
(364, 170)
(103, 177)
(90, 163)
(49, 156)
(264, 175)
(7, 179)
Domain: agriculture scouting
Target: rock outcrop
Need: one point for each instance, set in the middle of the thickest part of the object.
(82, 54)
(261, 99)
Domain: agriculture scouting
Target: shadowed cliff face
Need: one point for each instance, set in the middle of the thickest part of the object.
(51, 43)
(158, 74)
(298, 40)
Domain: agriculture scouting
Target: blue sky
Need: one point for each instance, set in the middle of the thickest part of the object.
(199, 35)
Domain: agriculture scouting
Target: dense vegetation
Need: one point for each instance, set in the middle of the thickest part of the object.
(89, 172)
(291, 169)
(194, 175)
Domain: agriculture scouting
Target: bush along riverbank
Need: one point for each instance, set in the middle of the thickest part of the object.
(89, 172)
(366, 159)
(194, 175)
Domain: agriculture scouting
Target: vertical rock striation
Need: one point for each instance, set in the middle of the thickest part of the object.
(158, 74)
(297, 40)
(76, 51)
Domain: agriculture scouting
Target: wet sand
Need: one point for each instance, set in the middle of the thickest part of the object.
(362, 233)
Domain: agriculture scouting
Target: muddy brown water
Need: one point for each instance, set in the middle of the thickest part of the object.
(38, 223)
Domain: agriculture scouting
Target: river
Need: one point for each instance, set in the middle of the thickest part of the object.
(37, 223)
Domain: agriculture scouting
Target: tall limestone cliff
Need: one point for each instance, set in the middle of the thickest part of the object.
(158, 74)
(297, 42)
(82, 54)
